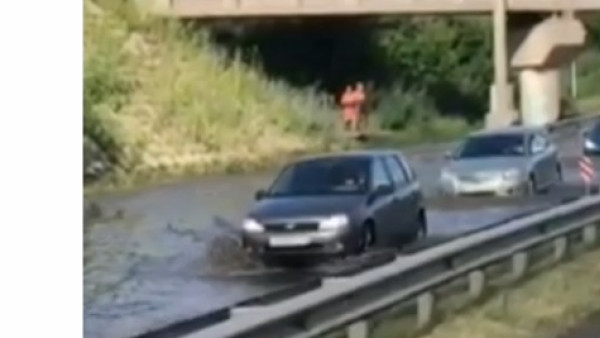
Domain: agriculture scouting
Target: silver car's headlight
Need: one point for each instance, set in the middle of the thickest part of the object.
(447, 175)
(334, 222)
(589, 145)
(511, 174)
(251, 225)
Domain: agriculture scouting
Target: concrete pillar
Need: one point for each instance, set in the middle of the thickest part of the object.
(501, 112)
(539, 96)
(538, 51)
(501, 118)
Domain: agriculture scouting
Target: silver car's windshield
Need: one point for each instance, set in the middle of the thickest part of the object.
(492, 146)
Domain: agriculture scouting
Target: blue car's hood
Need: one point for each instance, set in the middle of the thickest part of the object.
(306, 206)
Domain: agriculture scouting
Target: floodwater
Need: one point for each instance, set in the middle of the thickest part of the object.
(164, 254)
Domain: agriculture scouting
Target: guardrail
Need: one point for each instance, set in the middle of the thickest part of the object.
(348, 303)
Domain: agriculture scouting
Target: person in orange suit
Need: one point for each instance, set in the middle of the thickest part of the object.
(349, 109)
(359, 100)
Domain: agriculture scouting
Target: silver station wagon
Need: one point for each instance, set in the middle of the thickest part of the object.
(502, 162)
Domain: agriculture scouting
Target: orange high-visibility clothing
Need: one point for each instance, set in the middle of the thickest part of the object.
(359, 100)
(349, 107)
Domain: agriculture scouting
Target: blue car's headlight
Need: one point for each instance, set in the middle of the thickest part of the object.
(334, 222)
(252, 226)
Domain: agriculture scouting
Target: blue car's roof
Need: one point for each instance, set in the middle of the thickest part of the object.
(352, 153)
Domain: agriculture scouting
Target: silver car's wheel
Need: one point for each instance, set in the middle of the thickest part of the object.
(559, 174)
(531, 187)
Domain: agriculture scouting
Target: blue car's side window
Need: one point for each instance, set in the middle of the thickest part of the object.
(379, 175)
(398, 175)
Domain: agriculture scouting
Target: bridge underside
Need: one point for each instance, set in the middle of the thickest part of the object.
(278, 8)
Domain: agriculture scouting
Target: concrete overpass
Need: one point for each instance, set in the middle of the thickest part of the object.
(533, 38)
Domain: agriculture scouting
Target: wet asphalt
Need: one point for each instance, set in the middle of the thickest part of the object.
(167, 254)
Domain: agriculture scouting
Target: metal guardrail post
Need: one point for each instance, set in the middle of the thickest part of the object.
(561, 245)
(358, 330)
(476, 283)
(590, 235)
(425, 309)
(520, 261)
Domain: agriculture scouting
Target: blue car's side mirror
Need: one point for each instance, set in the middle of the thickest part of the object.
(260, 194)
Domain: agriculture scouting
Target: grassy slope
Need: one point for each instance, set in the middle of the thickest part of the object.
(182, 106)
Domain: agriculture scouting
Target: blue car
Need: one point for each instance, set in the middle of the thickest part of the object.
(337, 204)
(591, 140)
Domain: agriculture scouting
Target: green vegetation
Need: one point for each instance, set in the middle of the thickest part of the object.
(159, 98)
(419, 68)
(588, 70)
(588, 80)
(165, 98)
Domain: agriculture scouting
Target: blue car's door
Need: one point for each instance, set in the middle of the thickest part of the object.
(381, 205)
(407, 199)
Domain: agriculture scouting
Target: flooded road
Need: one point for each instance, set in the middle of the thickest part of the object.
(163, 254)
(167, 278)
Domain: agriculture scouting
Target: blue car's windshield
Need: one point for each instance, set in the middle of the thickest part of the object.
(492, 146)
(323, 176)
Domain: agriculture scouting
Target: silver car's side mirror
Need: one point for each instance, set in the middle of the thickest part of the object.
(448, 155)
(585, 133)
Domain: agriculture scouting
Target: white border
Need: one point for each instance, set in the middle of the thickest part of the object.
(40, 175)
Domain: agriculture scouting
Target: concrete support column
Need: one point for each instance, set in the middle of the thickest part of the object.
(501, 112)
(501, 118)
(539, 96)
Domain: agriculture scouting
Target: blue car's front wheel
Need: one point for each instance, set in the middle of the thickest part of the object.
(366, 237)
